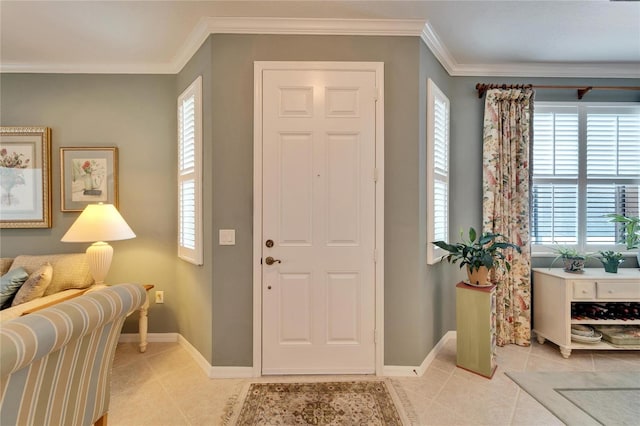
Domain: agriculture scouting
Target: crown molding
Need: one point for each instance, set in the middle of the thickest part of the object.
(439, 50)
(71, 68)
(537, 69)
(530, 69)
(327, 26)
(293, 26)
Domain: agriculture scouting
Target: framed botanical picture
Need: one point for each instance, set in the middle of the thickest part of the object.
(25, 177)
(88, 176)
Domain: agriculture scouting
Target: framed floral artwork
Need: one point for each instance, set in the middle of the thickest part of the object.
(25, 177)
(88, 176)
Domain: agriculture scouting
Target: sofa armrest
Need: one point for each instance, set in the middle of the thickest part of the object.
(64, 295)
(39, 303)
(55, 364)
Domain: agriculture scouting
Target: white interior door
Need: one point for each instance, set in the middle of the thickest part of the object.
(318, 298)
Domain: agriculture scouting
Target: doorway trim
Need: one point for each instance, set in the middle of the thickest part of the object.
(258, 68)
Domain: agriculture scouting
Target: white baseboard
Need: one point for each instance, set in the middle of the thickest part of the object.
(244, 372)
(211, 371)
(418, 371)
(231, 372)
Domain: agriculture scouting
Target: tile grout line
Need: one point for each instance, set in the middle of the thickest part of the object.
(164, 389)
(512, 418)
(437, 394)
(519, 390)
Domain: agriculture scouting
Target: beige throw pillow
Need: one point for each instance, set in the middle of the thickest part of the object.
(69, 270)
(5, 264)
(35, 285)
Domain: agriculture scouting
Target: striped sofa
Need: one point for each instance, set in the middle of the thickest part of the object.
(55, 363)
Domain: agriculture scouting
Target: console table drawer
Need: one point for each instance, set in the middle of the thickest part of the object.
(618, 290)
(584, 290)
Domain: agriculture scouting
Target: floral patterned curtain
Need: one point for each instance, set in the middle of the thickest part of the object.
(505, 207)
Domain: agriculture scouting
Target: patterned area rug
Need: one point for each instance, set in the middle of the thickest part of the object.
(318, 403)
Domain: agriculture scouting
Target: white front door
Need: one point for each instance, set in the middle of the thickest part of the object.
(319, 221)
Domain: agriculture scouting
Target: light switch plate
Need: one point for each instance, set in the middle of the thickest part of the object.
(227, 237)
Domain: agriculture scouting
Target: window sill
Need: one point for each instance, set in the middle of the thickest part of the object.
(625, 253)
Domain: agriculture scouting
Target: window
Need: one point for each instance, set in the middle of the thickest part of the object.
(437, 170)
(190, 173)
(586, 164)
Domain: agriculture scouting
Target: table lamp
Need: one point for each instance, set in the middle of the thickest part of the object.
(99, 223)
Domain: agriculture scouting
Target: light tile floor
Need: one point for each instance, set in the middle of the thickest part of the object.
(164, 386)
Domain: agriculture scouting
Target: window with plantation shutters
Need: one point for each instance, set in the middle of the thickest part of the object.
(586, 164)
(190, 173)
(437, 170)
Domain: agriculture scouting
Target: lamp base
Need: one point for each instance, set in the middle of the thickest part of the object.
(99, 255)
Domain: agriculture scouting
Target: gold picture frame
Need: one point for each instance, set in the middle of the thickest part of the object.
(25, 177)
(88, 175)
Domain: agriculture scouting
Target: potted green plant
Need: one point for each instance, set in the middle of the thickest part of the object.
(572, 259)
(631, 233)
(631, 229)
(611, 260)
(479, 253)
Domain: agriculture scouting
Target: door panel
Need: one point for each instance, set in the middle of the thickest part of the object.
(319, 209)
(343, 301)
(295, 302)
(343, 189)
(296, 188)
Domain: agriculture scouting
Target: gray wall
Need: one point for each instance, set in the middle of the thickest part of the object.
(211, 305)
(194, 288)
(135, 113)
(436, 285)
(413, 318)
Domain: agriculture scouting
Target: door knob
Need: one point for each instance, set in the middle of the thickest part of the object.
(270, 260)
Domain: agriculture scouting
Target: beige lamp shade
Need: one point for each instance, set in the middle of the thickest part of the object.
(99, 223)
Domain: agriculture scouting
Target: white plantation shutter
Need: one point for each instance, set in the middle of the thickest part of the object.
(441, 203)
(586, 164)
(190, 173)
(555, 213)
(612, 145)
(556, 139)
(437, 171)
(187, 195)
(613, 154)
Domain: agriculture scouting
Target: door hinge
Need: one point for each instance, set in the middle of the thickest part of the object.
(375, 174)
(375, 255)
(375, 336)
(376, 94)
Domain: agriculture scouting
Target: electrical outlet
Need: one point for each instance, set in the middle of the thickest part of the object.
(160, 296)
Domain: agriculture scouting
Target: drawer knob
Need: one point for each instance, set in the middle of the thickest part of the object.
(610, 291)
(584, 291)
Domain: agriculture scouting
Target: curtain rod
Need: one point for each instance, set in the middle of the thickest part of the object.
(582, 90)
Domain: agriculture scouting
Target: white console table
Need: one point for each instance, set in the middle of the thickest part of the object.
(554, 290)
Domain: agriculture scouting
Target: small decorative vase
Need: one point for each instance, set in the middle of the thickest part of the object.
(611, 265)
(478, 277)
(6, 197)
(573, 264)
(88, 181)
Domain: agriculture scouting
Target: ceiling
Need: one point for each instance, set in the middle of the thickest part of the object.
(596, 38)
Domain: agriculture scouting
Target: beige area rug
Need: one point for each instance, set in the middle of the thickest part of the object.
(365, 402)
(586, 398)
